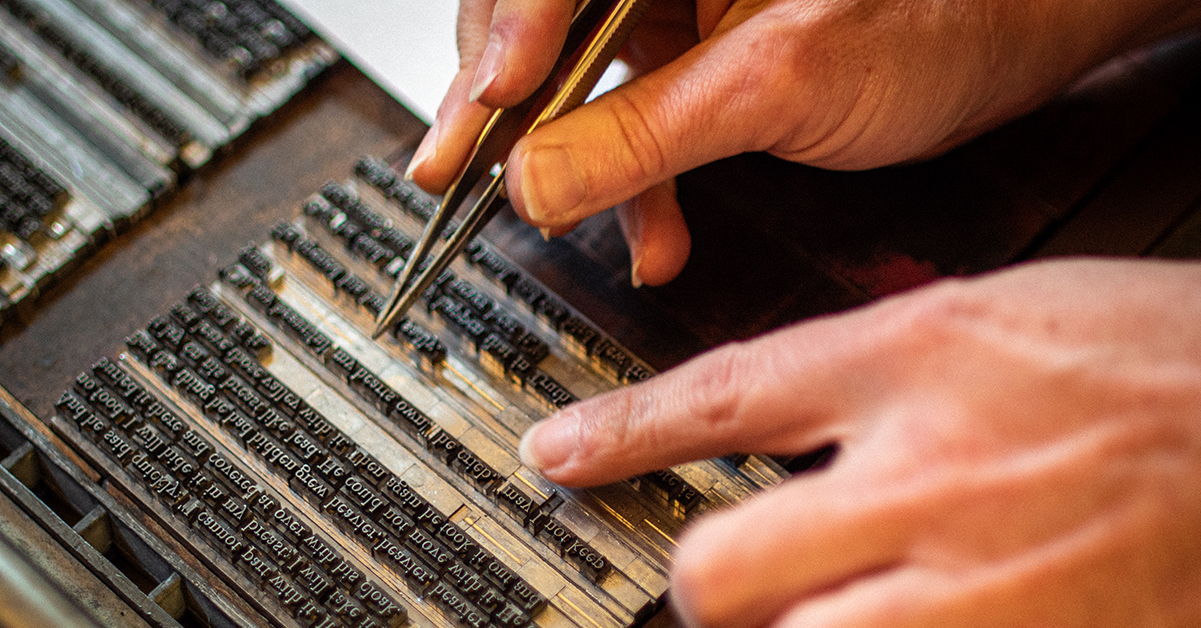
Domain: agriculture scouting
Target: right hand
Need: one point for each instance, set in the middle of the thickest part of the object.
(1020, 449)
(846, 84)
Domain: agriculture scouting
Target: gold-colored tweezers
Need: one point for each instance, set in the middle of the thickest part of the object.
(598, 31)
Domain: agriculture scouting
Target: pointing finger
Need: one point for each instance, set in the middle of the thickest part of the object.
(786, 392)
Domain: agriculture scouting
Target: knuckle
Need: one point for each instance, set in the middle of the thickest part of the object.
(715, 396)
(604, 432)
(642, 136)
(632, 419)
(940, 310)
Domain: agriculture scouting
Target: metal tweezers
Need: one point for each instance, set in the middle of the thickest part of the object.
(598, 31)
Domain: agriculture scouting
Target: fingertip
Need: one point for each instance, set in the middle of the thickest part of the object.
(697, 575)
(426, 150)
(558, 231)
(513, 186)
(449, 140)
(663, 259)
(492, 63)
(524, 40)
(526, 450)
(657, 235)
(548, 444)
(587, 443)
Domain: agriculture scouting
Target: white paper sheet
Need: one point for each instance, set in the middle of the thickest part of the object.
(406, 46)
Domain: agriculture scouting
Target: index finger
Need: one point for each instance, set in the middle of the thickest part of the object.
(524, 40)
(786, 392)
(506, 49)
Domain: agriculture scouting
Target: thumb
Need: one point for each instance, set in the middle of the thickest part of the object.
(781, 393)
(691, 111)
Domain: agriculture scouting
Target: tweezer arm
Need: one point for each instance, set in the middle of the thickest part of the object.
(454, 197)
(490, 204)
(597, 32)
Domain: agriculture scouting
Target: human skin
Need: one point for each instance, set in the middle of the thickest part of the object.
(845, 84)
(1019, 449)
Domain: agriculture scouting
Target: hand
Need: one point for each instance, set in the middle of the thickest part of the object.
(846, 84)
(1022, 449)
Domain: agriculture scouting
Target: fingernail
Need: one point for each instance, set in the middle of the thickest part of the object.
(548, 444)
(491, 64)
(545, 231)
(631, 216)
(425, 151)
(550, 182)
